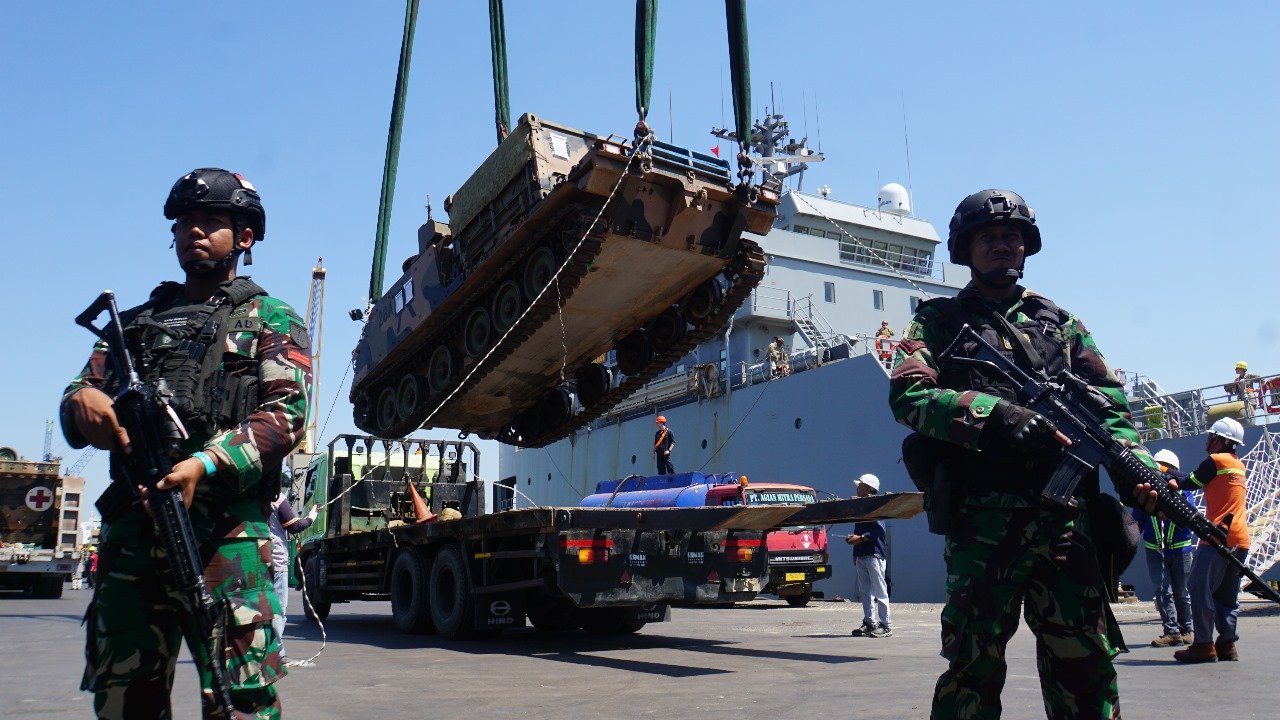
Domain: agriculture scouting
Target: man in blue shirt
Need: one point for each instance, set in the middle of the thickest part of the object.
(1169, 550)
(868, 541)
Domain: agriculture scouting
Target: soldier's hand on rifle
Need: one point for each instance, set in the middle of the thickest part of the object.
(185, 475)
(95, 418)
(1023, 428)
(1145, 496)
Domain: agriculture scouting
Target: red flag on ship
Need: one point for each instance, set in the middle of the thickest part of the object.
(716, 151)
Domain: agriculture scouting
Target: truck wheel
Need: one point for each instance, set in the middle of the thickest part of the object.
(451, 603)
(608, 621)
(799, 600)
(409, 601)
(315, 603)
(47, 587)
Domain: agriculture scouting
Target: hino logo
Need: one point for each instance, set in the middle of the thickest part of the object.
(499, 608)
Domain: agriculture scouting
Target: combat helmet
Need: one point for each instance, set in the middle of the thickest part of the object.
(984, 207)
(218, 189)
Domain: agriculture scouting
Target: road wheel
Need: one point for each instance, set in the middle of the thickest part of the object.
(477, 332)
(634, 352)
(316, 603)
(703, 301)
(554, 408)
(666, 330)
(593, 382)
(452, 606)
(388, 413)
(608, 621)
(799, 600)
(363, 407)
(553, 616)
(538, 271)
(507, 305)
(441, 369)
(410, 602)
(410, 397)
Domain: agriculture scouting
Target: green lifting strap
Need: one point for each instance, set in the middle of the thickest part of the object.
(739, 68)
(498, 50)
(393, 152)
(646, 31)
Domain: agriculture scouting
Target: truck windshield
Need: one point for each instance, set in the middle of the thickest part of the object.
(778, 497)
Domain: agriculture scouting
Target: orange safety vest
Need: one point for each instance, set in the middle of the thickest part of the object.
(1226, 494)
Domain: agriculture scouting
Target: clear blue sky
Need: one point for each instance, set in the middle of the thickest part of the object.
(1144, 134)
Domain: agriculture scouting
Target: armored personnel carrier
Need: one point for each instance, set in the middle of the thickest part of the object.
(574, 268)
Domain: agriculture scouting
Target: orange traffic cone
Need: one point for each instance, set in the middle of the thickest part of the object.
(421, 513)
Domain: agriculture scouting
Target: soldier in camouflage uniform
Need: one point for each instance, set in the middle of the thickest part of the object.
(1006, 549)
(244, 410)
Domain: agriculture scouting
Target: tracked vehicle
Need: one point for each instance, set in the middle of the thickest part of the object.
(574, 268)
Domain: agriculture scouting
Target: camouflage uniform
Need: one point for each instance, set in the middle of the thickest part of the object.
(1001, 547)
(135, 624)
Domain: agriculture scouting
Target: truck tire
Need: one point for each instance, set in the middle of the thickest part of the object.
(47, 588)
(410, 606)
(451, 604)
(315, 603)
(799, 600)
(608, 621)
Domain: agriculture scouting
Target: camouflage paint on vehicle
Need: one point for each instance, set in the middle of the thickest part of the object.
(665, 263)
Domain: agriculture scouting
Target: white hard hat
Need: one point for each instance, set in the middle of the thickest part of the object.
(1168, 457)
(1228, 429)
(870, 481)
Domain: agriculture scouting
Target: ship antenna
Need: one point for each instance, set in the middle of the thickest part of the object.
(817, 119)
(906, 143)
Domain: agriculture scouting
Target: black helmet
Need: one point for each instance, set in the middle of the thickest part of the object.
(987, 206)
(221, 190)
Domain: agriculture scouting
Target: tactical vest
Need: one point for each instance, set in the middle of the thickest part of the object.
(1046, 334)
(182, 355)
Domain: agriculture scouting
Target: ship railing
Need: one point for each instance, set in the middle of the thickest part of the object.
(1252, 401)
(769, 302)
(698, 381)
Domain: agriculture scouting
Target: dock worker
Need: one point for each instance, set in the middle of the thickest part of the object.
(1168, 552)
(664, 441)
(1242, 386)
(869, 554)
(254, 349)
(1007, 551)
(1215, 583)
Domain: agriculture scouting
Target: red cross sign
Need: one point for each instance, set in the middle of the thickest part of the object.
(39, 498)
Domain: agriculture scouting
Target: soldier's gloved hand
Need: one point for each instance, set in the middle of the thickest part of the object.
(95, 417)
(1061, 548)
(313, 512)
(1022, 428)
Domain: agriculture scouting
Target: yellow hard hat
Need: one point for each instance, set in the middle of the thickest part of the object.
(1242, 365)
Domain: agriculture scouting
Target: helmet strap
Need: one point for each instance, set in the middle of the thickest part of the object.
(1000, 278)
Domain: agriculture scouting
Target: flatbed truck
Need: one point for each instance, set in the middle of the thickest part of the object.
(603, 570)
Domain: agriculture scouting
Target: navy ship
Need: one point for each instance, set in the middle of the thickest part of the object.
(842, 281)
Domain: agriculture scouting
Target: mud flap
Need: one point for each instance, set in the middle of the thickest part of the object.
(499, 611)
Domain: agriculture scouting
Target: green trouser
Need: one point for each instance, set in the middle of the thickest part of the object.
(136, 625)
(999, 560)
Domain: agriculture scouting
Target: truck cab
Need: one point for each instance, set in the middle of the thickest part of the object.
(797, 555)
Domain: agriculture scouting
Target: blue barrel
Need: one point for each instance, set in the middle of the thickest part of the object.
(679, 490)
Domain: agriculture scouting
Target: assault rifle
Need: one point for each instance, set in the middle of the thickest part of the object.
(1077, 410)
(154, 434)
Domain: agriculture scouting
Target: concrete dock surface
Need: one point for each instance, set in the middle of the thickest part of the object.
(755, 660)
